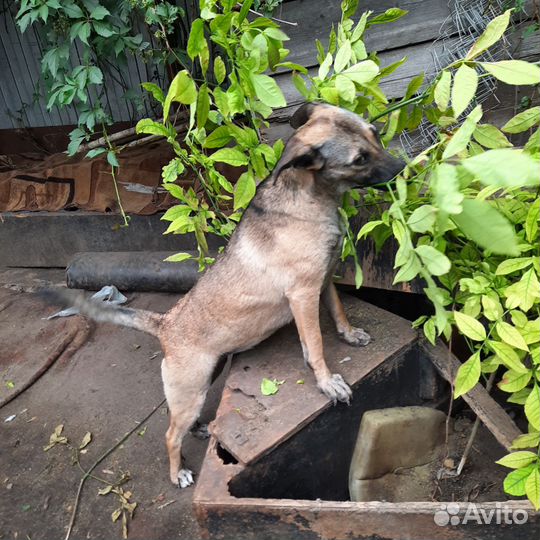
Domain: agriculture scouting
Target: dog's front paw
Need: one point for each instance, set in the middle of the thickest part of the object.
(185, 478)
(200, 431)
(356, 337)
(336, 389)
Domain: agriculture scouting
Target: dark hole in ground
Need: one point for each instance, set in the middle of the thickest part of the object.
(225, 456)
(314, 463)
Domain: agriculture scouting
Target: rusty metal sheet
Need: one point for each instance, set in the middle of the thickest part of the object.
(249, 424)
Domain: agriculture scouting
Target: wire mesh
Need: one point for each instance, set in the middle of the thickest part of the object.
(466, 22)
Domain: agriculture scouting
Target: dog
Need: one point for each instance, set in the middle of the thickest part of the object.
(277, 266)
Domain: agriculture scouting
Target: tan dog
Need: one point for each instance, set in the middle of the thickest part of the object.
(278, 263)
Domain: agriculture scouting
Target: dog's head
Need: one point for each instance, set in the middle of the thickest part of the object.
(341, 148)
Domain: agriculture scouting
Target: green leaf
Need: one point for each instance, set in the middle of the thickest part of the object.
(343, 56)
(524, 293)
(517, 460)
(367, 228)
(390, 15)
(513, 265)
(103, 29)
(480, 222)
(175, 212)
(523, 121)
(276, 33)
(358, 275)
(178, 257)
(244, 190)
(490, 137)
(461, 138)
(267, 90)
(346, 88)
(511, 335)
(505, 167)
(232, 156)
(422, 219)
(151, 127)
(493, 32)
(362, 72)
(436, 262)
(532, 407)
(516, 72)
(99, 13)
(468, 375)
(514, 381)
(409, 269)
(508, 356)
(527, 440)
(445, 186)
(532, 488)
(203, 106)
(96, 152)
(268, 387)
(469, 326)
(172, 170)
(219, 69)
(324, 68)
(532, 146)
(464, 89)
(531, 221)
(442, 91)
(218, 138)
(246, 6)
(112, 159)
(182, 90)
(492, 307)
(73, 11)
(196, 42)
(155, 90)
(514, 483)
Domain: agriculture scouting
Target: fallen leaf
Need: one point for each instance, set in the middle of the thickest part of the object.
(143, 431)
(116, 514)
(105, 490)
(268, 387)
(10, 384)
(56, 438)
(300, 381)
(87, 439)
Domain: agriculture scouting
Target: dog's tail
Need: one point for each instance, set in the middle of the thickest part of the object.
(140, 319)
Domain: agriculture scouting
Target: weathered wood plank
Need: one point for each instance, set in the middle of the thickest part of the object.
(249, 424)
(486, 408)
(422, 23)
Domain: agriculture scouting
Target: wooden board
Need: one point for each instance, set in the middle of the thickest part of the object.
(249, 425)
(422, 23)
(487, 409)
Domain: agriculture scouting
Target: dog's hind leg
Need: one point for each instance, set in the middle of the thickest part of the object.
(352, 335)
(305, 308)
(186, 382)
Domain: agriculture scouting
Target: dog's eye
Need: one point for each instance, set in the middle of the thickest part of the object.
(361, 158)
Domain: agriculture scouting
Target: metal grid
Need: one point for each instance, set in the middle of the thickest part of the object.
(466, 22)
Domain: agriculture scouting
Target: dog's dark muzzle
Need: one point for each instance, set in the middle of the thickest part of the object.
(385, 171)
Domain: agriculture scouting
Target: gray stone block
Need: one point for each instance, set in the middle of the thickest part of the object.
(391, 439)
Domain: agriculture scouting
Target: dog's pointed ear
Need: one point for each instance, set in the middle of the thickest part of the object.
(302, 115)
(300, 156)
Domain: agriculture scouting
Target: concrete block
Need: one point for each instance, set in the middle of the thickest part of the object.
(390, 439)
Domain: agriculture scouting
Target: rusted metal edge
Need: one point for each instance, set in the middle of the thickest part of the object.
(485, 407)
(212, 504)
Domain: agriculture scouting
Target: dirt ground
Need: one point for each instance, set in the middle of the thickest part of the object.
(105, 388)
